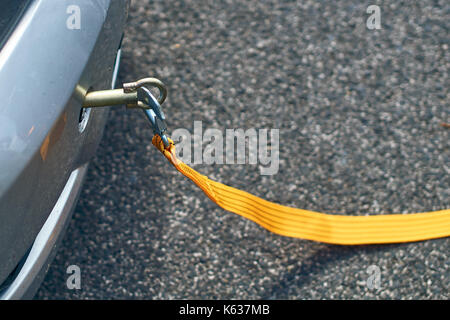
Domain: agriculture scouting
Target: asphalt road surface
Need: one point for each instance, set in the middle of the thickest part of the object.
(359, 113)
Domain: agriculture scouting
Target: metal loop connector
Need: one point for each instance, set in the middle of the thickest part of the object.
(154, 114)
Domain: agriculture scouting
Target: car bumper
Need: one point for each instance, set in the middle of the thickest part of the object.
(44, 144)
(31, 273)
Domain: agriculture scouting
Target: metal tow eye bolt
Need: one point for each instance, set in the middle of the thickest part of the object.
(135, 95)
(129, 95)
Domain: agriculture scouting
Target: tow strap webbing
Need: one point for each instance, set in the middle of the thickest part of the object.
(305, 224)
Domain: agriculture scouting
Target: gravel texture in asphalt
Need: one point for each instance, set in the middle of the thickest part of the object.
(359, 115)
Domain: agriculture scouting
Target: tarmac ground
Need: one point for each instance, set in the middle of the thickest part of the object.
(359, 115)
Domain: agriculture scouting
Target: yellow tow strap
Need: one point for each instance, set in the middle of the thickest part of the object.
(305, 224)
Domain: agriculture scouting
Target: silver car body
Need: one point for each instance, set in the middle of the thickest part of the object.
(46, 140)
